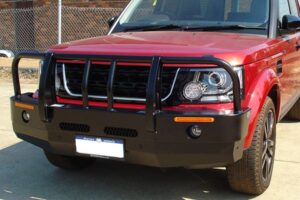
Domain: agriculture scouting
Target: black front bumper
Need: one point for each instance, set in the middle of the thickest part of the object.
(221, 142)
(159, 141)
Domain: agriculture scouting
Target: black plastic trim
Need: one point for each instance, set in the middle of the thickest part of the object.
(221, 143)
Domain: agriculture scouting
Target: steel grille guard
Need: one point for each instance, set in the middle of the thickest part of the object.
(153, 94)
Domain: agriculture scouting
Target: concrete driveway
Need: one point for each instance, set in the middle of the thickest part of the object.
(26, 174)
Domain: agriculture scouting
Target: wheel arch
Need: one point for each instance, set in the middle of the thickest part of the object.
(265, 85)
(274, 94)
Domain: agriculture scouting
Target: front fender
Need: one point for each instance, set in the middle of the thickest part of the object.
(256, 96)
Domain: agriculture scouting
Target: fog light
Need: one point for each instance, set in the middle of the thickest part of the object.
(25, 116)
(195, 131)
(192, 91)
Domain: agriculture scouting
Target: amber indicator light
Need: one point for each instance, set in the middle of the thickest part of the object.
(194, 119)
(24, 106)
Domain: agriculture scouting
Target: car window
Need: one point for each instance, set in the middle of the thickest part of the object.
(294, 7)
(196, 12)
(284, 8)
(247, 11)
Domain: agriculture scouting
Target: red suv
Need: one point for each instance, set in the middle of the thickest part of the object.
(175, 83)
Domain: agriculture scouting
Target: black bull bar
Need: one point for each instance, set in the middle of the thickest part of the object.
(153, 93)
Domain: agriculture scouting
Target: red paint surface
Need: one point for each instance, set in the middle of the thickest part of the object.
(235, 48)
(101, 104)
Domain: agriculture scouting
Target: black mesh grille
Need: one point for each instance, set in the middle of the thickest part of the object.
(120, 132)
(130, 81)
(74, 127)
(97, 81)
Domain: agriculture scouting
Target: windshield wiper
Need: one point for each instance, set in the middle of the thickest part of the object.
(191, 28)
(223, 27)
(154, 27)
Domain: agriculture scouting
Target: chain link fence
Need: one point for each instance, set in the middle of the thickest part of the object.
(36, 29)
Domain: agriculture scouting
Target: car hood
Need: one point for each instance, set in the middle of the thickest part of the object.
(236, 49)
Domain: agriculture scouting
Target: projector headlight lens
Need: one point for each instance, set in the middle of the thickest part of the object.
(217, 79)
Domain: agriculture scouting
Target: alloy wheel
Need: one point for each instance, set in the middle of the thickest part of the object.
(268, 146)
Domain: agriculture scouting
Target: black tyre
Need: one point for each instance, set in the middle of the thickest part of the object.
(252, 174)
(294, 113)
(68, 162)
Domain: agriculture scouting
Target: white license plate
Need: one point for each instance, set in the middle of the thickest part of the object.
(102, 147)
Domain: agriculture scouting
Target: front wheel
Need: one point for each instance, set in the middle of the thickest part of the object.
(68, 162)
(252, 174)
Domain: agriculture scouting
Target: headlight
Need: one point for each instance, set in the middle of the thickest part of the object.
(57, 80)
(36, 93)
(192, 91)
(217, 79)
(41, 63)
(208, 85)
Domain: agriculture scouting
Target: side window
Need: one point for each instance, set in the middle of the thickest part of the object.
(284, 8)
(294, 7)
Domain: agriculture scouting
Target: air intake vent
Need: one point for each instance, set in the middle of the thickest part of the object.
(123, 132)
(74, 127)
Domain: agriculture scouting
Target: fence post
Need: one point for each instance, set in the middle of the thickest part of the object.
(59, 21)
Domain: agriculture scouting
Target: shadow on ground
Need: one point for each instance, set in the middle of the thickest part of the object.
(26, 174)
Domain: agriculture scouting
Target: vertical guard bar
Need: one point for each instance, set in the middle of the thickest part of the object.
(46, 87)
(15, 69)
(153, 102)
(110, 84)
(15, 75)
(85, 82)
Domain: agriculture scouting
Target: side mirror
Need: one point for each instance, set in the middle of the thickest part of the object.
(111, 21)
(290, 23)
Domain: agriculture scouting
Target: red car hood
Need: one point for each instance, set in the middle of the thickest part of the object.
(235, 48)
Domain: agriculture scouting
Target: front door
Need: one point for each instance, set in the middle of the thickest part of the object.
(288, 66)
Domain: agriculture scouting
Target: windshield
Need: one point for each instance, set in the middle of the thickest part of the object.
(172, 14)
